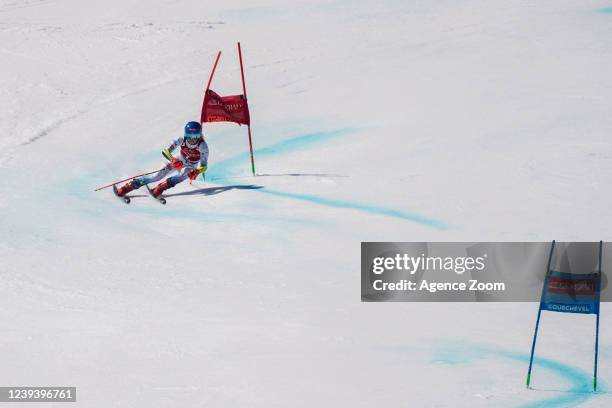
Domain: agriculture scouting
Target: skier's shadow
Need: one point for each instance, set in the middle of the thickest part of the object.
(216, 190)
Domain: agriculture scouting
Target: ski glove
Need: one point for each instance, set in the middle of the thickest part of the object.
(176, 163)
(195, 172)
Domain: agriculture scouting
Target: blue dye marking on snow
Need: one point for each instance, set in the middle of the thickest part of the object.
(607, 10)
(228, 167)
(580, 381)
(368, 208)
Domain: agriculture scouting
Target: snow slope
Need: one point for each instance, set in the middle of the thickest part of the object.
(409, 121)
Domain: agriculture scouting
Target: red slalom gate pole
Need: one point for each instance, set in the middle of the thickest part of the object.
(213, 70)
(242, 71)
(121, 181)
(251, 147)
(245, 97)
(212, 73)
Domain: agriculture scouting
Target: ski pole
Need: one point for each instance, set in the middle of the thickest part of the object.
(129, 178)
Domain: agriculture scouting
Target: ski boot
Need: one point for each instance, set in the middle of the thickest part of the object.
(161, 187)
(123, 190)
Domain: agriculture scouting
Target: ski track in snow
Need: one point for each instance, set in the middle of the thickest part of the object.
(56, 123)
(579, 392)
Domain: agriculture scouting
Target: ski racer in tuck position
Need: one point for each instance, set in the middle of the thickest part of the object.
(194, 151)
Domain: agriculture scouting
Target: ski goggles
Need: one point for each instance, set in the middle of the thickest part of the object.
(193, 137)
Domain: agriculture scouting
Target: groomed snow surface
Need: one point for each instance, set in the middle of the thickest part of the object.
(372, 121)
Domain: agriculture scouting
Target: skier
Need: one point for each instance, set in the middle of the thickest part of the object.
(194, 150)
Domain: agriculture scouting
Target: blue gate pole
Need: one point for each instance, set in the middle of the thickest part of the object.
(535, 334)
(597, 318)
(596, 347)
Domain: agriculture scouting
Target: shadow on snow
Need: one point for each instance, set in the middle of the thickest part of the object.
(215, 190)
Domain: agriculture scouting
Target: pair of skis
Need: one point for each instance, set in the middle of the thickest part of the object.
(127, 200)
